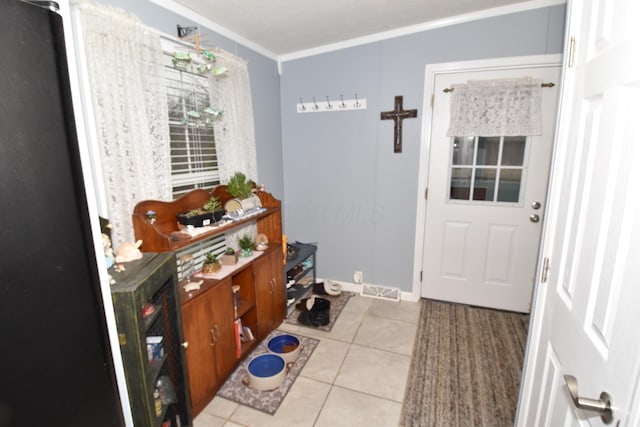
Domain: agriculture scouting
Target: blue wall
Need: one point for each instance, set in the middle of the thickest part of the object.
(344, 186)
(265, 87)
(341, 184)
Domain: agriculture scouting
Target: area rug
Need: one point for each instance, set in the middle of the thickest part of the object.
(266, 401)
(466, 366)
(337, 304)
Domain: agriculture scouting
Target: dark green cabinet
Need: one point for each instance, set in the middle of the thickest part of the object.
(149, 324)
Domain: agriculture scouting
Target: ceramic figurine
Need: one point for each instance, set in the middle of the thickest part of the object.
(129, 252)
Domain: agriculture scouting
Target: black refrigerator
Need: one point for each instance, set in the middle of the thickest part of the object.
(56, 366)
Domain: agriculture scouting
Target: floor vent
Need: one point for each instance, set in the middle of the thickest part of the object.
(380, 292)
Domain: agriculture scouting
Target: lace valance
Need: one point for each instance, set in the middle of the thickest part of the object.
(505, 107)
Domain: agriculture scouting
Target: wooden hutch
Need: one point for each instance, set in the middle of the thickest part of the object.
(208, 314)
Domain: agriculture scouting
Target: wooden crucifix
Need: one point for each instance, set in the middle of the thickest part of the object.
(398, 115)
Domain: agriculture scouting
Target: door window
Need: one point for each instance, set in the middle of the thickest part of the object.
(487, 169)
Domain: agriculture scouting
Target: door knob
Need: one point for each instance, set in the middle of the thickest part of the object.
(602, 406)
(536, 205)
(534, 218)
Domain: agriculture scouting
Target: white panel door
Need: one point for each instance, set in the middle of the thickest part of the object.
(587, 307)
(480, 245)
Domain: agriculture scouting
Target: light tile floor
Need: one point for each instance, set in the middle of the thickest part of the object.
(355, 377)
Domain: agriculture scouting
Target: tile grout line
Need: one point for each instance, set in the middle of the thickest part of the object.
(333, 382)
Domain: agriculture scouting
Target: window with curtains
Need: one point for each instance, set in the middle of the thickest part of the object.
(194, 161)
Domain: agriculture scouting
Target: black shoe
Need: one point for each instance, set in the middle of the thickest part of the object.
(314, 319)
(318, 315)
(302, 305)
(318, 288)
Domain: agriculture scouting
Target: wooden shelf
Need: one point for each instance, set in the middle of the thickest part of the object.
(244, 307)
(148, 320)
(246, 347)
(162, 234)
(208, 312)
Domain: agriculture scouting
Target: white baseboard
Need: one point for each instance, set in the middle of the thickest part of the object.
(357, 288)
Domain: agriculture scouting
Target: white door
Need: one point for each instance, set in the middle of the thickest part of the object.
(587, 304)
(486, 196)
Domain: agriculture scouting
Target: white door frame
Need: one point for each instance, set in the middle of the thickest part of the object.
(431, 71)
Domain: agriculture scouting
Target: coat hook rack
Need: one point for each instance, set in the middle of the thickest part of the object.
(341, 104)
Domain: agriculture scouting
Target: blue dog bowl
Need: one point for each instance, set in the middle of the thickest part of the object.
(287, 346)
(266, 371)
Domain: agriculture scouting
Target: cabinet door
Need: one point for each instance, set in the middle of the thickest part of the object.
(208, 328)
(270, 292)
(221, 310)
(199, 333)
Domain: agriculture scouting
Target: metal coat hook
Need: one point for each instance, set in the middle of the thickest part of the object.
(332, 105)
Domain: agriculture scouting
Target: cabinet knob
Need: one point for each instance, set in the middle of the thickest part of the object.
(214, 339)
(185, 344)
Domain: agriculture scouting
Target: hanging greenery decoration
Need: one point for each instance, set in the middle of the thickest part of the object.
(184, 62)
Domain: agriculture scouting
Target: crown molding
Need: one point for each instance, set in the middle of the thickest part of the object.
(426, 26)
(385, 35)
(174, 7)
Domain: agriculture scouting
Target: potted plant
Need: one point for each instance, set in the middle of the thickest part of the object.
(211, 264)
(230, 257)
(239, 187)
(210, 212)
(246, 245)
(214, 205)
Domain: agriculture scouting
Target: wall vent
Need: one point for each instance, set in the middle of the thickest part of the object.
(380, 292)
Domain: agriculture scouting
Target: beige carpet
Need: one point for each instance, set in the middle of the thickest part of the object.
(466, 367)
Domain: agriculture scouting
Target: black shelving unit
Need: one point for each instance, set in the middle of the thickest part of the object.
(298, 270)
(145, 283)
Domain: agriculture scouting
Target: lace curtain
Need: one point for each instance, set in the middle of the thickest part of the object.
(506, 107)
(127, 88)
(235, 134)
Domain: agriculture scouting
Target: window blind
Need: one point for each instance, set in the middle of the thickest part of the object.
(194, 161)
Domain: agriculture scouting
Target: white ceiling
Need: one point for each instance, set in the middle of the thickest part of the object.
(282, 27)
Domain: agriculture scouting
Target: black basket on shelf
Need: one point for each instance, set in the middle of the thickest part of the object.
(292, 251)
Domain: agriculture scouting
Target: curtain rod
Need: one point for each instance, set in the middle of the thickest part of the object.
(550, 84)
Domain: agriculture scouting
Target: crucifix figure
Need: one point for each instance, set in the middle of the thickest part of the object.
(398, 115)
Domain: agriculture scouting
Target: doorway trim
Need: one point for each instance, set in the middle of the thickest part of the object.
(431, 71)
